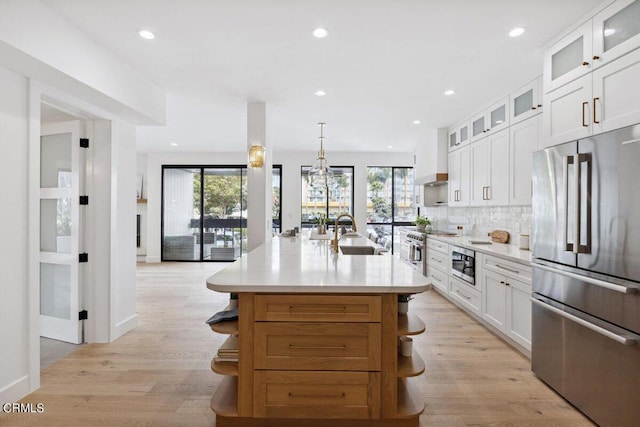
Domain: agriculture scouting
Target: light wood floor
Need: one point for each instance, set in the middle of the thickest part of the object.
(159, 374)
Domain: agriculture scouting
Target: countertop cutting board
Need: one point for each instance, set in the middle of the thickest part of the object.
(499, 236)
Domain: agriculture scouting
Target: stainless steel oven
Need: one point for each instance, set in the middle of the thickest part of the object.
(412, 249)
(463, 264)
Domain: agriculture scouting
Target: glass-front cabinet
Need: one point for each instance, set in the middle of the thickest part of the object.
(613, 32)
(616, 31)
(459, 136)
(526, 102)
(492, 120)
(568, 59)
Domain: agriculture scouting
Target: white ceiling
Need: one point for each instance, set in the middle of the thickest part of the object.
(384, 64)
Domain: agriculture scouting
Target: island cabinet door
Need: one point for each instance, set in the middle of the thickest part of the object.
(317, 346)
(290, 394)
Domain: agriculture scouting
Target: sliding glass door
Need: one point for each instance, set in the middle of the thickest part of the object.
(204, 212)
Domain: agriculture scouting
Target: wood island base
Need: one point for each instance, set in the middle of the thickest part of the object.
(323, 359)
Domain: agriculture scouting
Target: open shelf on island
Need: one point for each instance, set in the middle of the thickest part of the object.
(224, 368)
(410, 324)
(409, 402)
(229, 327)
(410, 366)
(225, 400)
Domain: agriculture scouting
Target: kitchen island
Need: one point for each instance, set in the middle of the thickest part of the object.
(317, 338)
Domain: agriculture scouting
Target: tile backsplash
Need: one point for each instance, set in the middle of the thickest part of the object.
(478, 221)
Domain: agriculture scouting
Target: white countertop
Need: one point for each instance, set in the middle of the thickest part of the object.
(503, 250)
(299, 265)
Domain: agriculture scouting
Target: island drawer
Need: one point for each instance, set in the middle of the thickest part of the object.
(317, 308)
(317, 346)
(286, 394)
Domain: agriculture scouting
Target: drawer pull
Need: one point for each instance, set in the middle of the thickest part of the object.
(330, 396)
(463, 295)
(436, 277)
(322, 309)
(508, 269)
(317, 347)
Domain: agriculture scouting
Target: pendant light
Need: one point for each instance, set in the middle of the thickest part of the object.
(321, 175)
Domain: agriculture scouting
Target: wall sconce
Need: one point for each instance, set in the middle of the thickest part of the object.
(256, 156)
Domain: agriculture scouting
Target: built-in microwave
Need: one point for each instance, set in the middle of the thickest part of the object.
(463, 264)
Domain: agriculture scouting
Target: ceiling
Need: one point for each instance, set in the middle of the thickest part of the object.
(384, 64)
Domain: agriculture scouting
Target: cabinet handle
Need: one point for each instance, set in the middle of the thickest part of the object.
(507, 284)
(533, 108)
(596, 57)
(508, 269)
(502, 282)
(325, 309)
(333, 395)
(463, 295)
(488, 197)
(594, 110)
(317, 347)
(585, 63)
(583, 123)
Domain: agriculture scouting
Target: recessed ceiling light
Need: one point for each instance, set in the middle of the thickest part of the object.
(173, 144)
(389, 146)
(516, 32)
(449, 92)
(416, 122)
(320, 33)
(499, 121)
(146, 34)
(320, 93)
(609, 32)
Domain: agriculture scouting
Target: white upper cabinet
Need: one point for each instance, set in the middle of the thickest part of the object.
(568, 59)
(492, 120)
(612, 33)
(526, 102)
(459, 136)
(578, 104)
(489, 168)
(459, 169)
(568, 112)
(615, 100)
(616, 31)
(523, 142)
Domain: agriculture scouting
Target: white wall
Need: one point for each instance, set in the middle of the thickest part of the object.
(123, 228)
(14, 308)
(291, 191)
(71, 60)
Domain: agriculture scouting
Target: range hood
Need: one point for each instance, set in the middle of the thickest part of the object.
(433, 179)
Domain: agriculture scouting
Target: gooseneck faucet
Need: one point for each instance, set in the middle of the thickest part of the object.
(334, 242)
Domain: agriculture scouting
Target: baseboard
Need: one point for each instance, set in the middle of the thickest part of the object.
(15, 391)
(152, 259)
(124, 327)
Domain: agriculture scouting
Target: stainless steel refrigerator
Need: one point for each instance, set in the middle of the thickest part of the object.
(586, 276)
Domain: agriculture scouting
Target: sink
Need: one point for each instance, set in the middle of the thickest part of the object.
(357, 250)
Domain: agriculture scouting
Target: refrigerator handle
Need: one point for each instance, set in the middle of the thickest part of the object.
(624, 340)
(577, 185)
(585, 158)
(567, 160)
(601, 283)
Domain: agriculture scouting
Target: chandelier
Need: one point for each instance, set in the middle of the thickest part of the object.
(321, 175)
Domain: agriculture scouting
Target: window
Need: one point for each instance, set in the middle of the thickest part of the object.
(204, 212)
(390, 202)
(328, 201)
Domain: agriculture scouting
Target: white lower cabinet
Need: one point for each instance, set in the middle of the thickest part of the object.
(470, 298)
(506, 301)
(438, 260)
